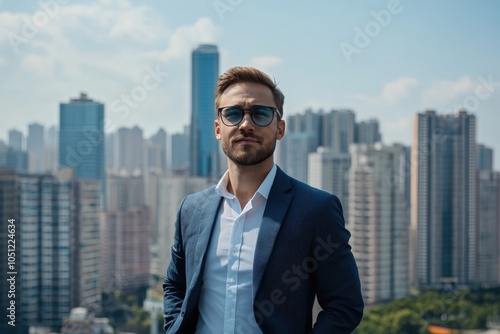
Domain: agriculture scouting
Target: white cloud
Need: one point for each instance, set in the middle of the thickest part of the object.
(397, 90)
(392, 93)
(446, 91)
(185, 38)
(101, 47)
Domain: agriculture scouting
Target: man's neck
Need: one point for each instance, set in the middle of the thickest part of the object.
(245, 180)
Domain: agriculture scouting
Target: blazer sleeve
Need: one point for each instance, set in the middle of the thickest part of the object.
(337, 277)
(174, 285)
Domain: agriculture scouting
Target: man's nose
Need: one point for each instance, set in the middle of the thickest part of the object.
(247, 121)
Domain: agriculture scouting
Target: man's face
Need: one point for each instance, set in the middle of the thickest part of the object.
(246, 143)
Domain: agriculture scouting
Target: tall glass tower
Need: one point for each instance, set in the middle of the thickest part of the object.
(443, 199)
(81, 138)
(204, 153)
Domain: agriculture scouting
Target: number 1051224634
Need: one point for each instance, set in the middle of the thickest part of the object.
(11, 245)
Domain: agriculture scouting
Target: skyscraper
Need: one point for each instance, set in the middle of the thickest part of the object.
(180, 151)
(50, 150)
(35, 147)
(126, 237)
(81, 138)
(204, 148)
(171, 191)
(59, 251)
(328, 170)
(484, 157)
(367, 132)
(16, 139)
(129, 151)
(443, 196)
(338, 130)
(488, 228)
(160, 138)
(379, 221)
(304, 136)
(488, 218)
(10, 240)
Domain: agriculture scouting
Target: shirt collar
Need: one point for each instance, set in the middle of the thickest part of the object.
(264, 188)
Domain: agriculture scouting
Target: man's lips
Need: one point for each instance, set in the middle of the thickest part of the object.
(246, 140)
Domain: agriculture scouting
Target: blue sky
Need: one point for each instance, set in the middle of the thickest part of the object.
(382, 59)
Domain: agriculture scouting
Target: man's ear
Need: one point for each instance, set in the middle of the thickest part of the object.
(281, 129)
(217, 129)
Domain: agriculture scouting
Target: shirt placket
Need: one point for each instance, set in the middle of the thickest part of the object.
(233, 265)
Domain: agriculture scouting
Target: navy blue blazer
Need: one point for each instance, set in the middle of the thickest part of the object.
(302, 251)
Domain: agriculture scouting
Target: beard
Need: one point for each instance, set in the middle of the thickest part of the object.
(248, 154)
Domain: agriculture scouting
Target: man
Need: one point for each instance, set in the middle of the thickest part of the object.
(251, 254)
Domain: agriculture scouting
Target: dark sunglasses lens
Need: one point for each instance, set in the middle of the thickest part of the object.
(262, 116)
(233, 114)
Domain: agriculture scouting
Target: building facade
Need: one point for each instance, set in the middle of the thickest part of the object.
(379, 221)
(35, 144)
(204, 148)
(443, 199)
(81, 138)
(126, 237)
(59, 247)
(328, 170)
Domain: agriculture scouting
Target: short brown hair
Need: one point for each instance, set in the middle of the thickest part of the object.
(248, 74)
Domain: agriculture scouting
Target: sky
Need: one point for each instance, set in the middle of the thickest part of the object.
(382, 59)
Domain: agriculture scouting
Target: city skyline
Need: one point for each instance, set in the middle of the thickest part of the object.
(386, 60)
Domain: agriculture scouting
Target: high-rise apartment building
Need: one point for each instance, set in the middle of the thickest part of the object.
(443, 199)
(304, 135)
(204, 148)
(50, 151)
(35, 147)
(367, 132)
(16, 139)
(180, 151)
(160, 141)
(328, 170)
(170, 194)
(129, 151)
(379, 221)
(81, 138)
(86, 252)
(10, 242)
(339, 130)
(488, 228)
(484, 157)
(297, 147)
(59, 248)
(126, 237)
(13, 158)
(488, 218)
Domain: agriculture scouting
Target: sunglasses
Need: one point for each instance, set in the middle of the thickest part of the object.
(260, 115)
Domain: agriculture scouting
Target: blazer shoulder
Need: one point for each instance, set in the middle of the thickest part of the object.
(305, 189)
(194, 198)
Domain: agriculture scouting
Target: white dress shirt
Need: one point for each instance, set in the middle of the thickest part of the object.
(226, 297)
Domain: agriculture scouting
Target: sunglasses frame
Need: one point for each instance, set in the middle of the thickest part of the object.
(251, 109)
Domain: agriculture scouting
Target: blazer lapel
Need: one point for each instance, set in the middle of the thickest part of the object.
(207, 208)
(278, 202)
